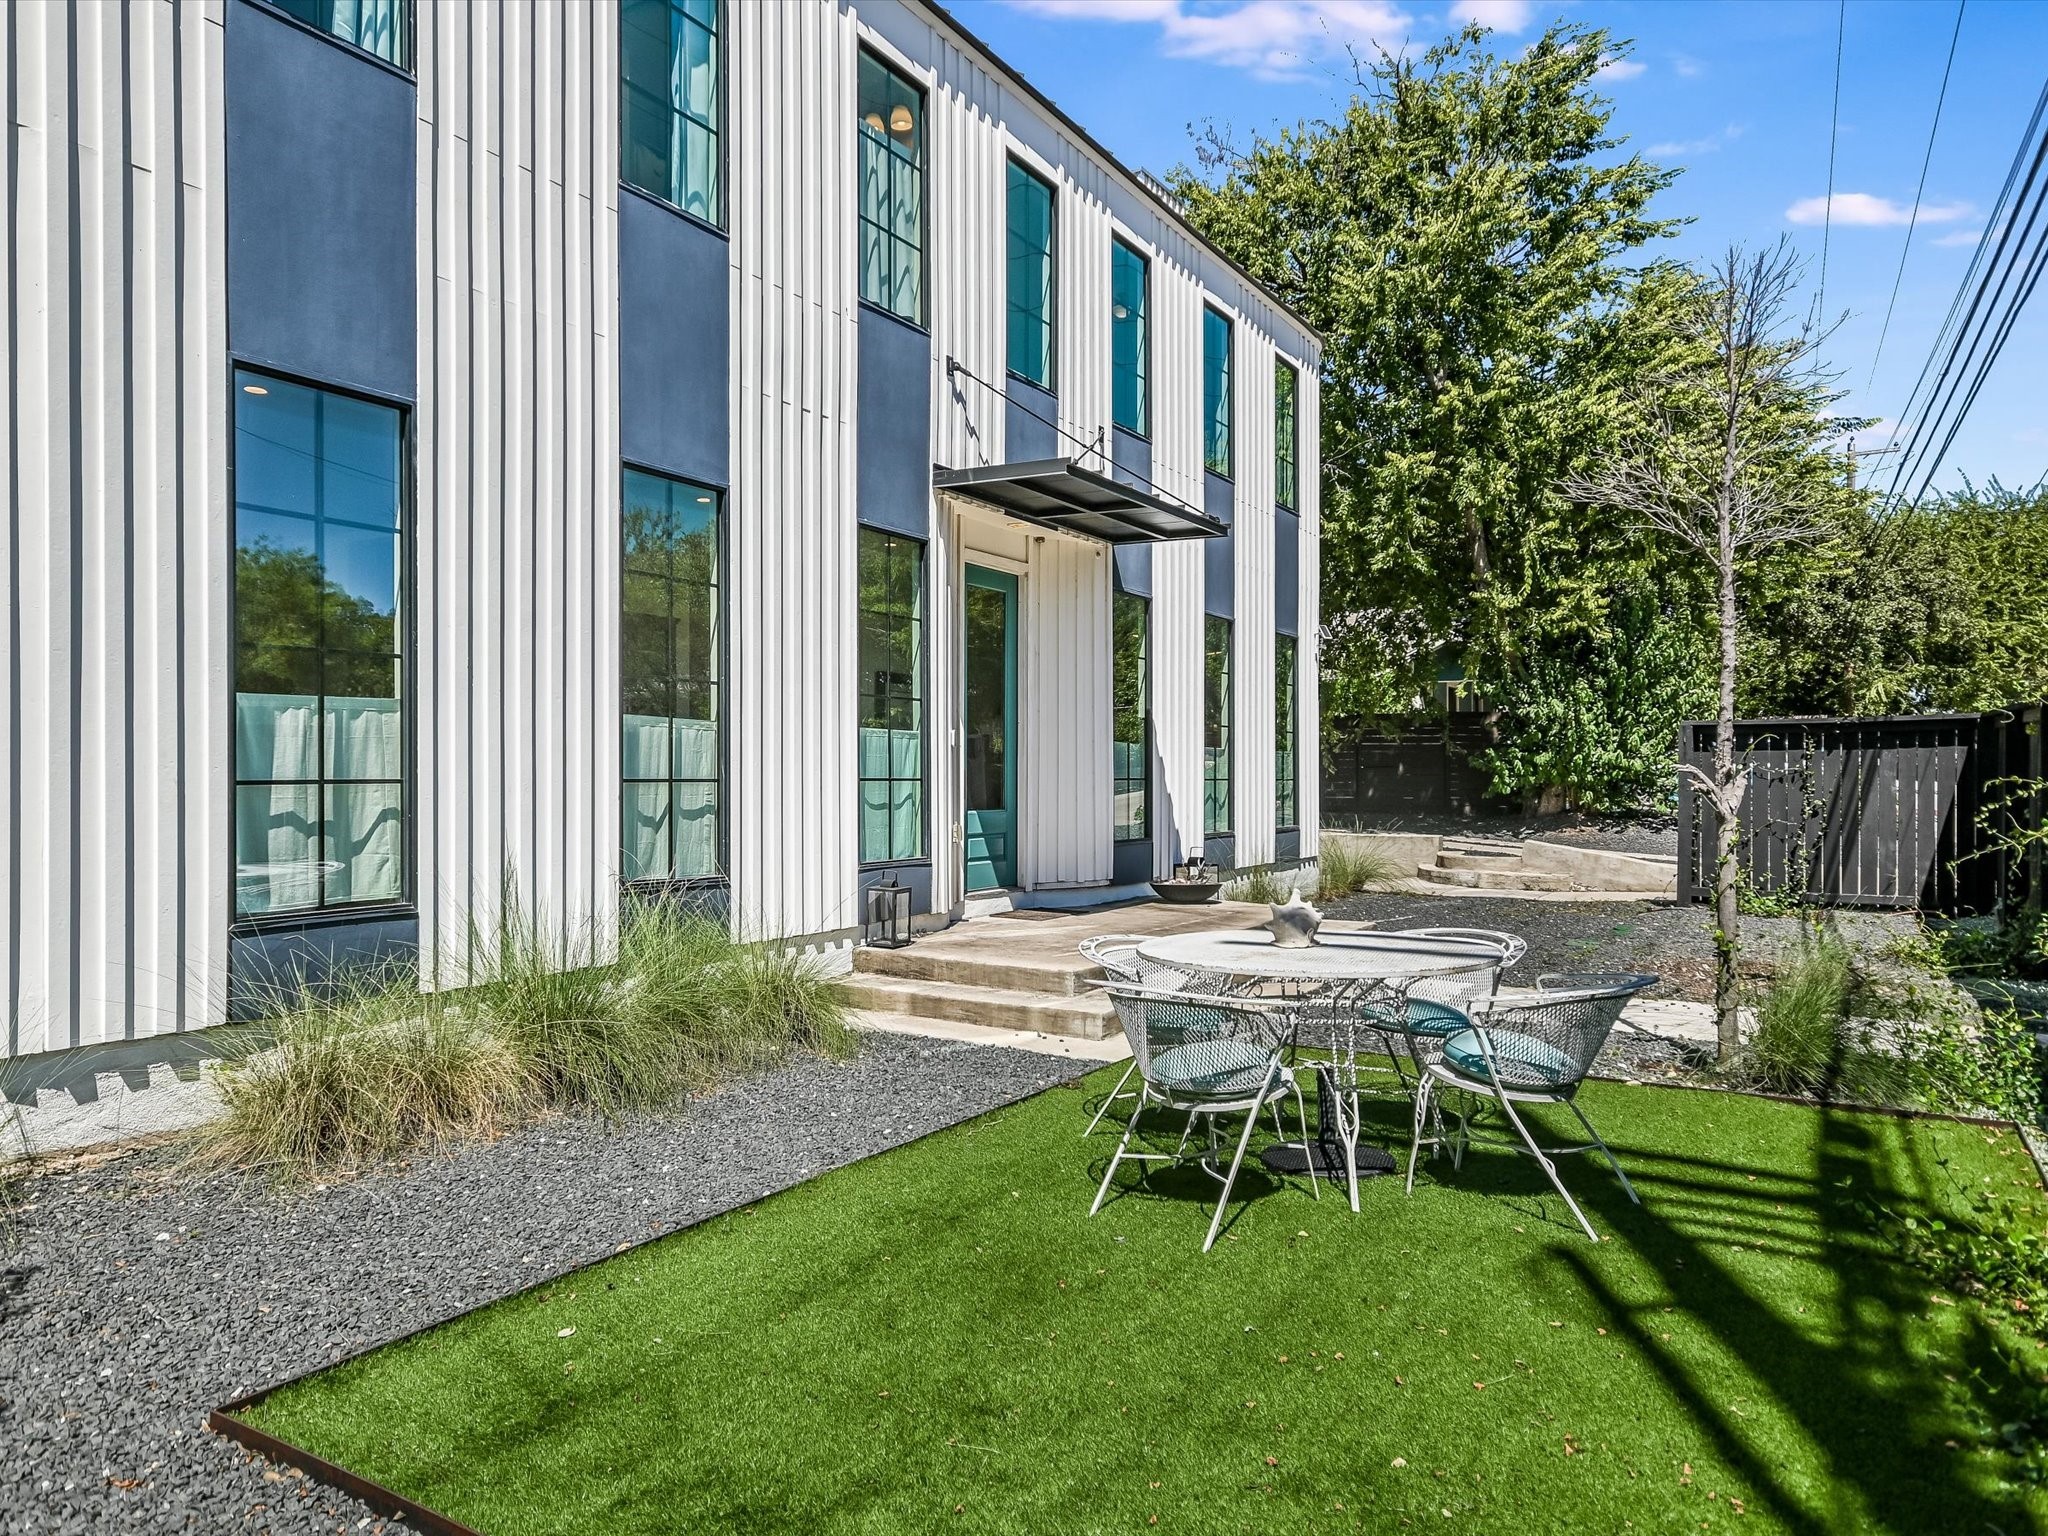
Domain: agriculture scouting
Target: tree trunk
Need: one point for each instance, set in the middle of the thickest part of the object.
(1728, 787)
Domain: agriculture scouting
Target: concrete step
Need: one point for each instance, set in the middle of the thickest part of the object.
(1073, 1048)
(1064, 974)
(1493, 879)
(1482, 847)
(1495, 861)
(1089, 1017)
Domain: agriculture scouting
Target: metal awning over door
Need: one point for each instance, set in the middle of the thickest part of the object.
(1060, 493)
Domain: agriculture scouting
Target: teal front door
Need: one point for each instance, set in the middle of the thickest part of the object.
(989, 729)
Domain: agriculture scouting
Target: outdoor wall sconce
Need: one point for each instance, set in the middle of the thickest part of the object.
(887, 924)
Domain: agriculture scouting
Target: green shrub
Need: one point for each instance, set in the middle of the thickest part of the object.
(1342, 868)
(1261, 885)
(541, 1018)
(1804, 1042)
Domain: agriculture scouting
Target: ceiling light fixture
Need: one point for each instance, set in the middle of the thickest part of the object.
(254, 389)
(874, 121)
(900, 120)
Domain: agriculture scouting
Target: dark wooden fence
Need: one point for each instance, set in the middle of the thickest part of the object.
(1381, 768)
(1885, 812)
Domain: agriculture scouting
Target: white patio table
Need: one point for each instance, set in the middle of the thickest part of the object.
(1345, 958)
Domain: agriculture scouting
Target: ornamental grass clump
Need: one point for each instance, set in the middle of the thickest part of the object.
(540, 1018)
(1805, 1042)
(1345, 868)
(1261, 885)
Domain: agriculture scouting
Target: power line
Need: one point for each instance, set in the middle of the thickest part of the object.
(1919, 191)
(1827, 218)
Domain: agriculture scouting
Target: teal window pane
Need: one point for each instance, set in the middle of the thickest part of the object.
(671, 111)
(1286, 462)
(1216, 726)
(672, 658)
(320, 720)
(1216, 403)
(380, 27)
(890, 190)
(1030, 276)
(890, 696)
(1129, 339)
(1131, 721)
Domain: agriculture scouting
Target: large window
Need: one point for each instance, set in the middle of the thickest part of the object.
(320, 756)
(1216, 447)
(891, 665)
(1286, 782)
(381, 27)
(1129, 284)
(669, 108)
(1286, 462)
(670, 757)
(1131, 699)
(891, 190)
(1216, 734)
(1030, 277)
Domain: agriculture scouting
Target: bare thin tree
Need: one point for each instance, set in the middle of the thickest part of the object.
(1720, 459)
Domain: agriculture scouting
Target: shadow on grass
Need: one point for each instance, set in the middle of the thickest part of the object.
(1858, 1383)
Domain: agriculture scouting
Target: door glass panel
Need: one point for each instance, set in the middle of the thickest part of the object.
(987, 723)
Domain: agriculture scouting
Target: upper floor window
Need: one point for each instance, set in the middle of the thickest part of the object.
(320, 754)
(891, 190)
(671, 759)
(670, 114)
(1216, 446)
(1130, 277)
(1031, 277)
(1286, 461)
(380, 27)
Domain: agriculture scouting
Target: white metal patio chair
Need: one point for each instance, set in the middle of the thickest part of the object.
(1117, 955)
(1530, 1048)
(1206, 1057)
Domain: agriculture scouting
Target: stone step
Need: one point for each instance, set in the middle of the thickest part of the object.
(1059, 975)
(1089, 1017)
(1493, 879)
(1449, 860)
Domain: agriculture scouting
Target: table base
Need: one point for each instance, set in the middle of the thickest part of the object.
(1295, 1157)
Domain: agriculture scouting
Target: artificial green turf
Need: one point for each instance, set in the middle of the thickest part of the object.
(941, 1339)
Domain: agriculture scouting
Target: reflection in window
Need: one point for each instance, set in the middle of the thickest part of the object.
(670, 755)
(1216, 450)
(1130, 697)
(1286, 785)
(1216, 735)
(1286, 385)
(669, 111)
(382, 27)
(891, 662)
(319, 730)
(891, 190)
(1030, 277)
(1129, 279)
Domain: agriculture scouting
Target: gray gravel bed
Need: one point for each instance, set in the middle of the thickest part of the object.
(133, 1300)
(1648, 834)
(1672, 942)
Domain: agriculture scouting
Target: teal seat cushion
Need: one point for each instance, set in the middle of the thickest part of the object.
(1525, 1061)
(1212, 1069)
(1429, 1017)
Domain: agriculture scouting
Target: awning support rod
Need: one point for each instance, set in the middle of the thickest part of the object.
(954, 365)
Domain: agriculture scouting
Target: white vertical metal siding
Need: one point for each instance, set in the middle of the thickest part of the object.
(795, 397)
(1177, 569)
(1308, 751)
(1251, 767)
(517, 478)
(113, 657)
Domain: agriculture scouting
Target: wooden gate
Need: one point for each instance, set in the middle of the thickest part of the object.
(1879, 812)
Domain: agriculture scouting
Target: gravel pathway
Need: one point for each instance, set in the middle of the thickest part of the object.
(133, 1301)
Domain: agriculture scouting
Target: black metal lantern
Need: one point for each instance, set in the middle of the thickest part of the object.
(887, 922)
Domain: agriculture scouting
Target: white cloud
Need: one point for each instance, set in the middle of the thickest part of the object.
(1866, 209)
(1681, 149)
(1958, 236)
(1620, 69)
(1274, 39)
(1686, 65)
(1508, 16)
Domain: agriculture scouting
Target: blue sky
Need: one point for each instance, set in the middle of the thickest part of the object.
(1738, 92)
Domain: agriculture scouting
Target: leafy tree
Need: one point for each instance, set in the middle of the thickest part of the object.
(1471, 253)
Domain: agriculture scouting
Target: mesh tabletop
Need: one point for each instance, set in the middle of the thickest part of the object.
(1334, 957)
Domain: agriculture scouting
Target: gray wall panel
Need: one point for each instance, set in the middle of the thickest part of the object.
(894, 427)
(1130, 460)
(321, 155)
(1286, 572)
(675, 345)
(1025, 437)
(1219, 557)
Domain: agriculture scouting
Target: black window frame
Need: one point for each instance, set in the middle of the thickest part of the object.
(924, 206)
(406, 903)
(1121, 784)
(1050, 383)
(1287, 453)
(1222, 723)
(1144, 319)
(722, 128)
(410, 26)
(1287, 805)
(1228, 398)
(920, 696)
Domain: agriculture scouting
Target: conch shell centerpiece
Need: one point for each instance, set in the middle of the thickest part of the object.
(1294, 922)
